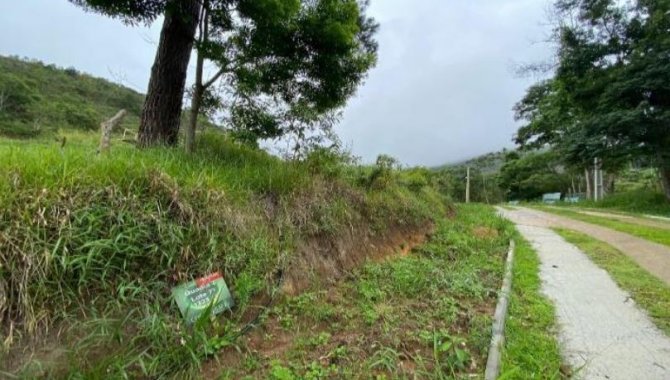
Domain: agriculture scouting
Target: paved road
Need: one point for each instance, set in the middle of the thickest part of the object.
(654, 257)
(602, 333)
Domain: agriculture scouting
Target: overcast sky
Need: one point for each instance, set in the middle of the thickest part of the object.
(442, 91)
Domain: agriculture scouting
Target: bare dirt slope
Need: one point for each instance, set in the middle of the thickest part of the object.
(652, 256)
(603, 334)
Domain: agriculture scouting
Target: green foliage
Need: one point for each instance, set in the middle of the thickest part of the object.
(416, 178)
(609, 97)
(329, 162)
(436, 299)
(288, 66)
(637, 179)
(36, 98)
(526, 176)
(131, 11)
(16, 96)
(451, 179)
(92, 244)
(639, 201)
(548, 112)
(300, 60)
(449, 353)
(279, 372)
(383, 173)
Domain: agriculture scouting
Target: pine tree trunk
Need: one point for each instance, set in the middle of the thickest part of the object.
(159, 123)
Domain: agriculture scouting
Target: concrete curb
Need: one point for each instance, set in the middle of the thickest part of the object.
(498, 338)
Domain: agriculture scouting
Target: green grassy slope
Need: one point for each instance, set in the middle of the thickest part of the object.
(37, 98)
(424, 314)
(90, 245)
(638, 201)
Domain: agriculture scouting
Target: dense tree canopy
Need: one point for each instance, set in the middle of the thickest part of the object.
(610, 96)
(131, 11)
(281, 64)
(527, 176)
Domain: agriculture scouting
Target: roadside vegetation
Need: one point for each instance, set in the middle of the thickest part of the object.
(657, 235)
(420, 313)
(531, 346)
(635, 201)
(90, 245)
(650, 293)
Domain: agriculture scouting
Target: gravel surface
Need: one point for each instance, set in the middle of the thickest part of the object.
(602, 333)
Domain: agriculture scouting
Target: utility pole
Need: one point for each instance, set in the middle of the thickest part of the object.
(467, 187)
(595, 179)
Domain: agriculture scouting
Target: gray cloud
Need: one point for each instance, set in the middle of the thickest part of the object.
(444, 88)
(442, 91)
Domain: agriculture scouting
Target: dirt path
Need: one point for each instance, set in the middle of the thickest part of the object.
(645, 221)
(602, 334)
(652, 256)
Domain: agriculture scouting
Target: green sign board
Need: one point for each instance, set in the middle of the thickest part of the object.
(203, 294)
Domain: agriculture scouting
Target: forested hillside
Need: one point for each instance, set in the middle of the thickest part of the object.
(486, 163)
(484, 172)
(36, 98)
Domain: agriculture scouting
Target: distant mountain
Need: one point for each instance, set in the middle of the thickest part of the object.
(36, 98)
(488, 163)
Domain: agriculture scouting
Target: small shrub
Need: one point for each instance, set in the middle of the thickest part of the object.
(416, 179)
(383, 174)
(18, 129)
(328, 162)
(80, 117)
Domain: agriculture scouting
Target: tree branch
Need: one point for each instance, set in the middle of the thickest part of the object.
(214, 78)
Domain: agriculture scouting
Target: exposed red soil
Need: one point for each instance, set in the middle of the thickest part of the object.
(326, 259)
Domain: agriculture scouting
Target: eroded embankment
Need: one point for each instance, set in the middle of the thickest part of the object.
(90, 247)
(421, 310)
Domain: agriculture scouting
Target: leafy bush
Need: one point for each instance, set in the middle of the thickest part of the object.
(416, 179)
(17, 97)
(18, 129)
(640, 201)
(329, 162)
(383, 173)
(82, 117)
